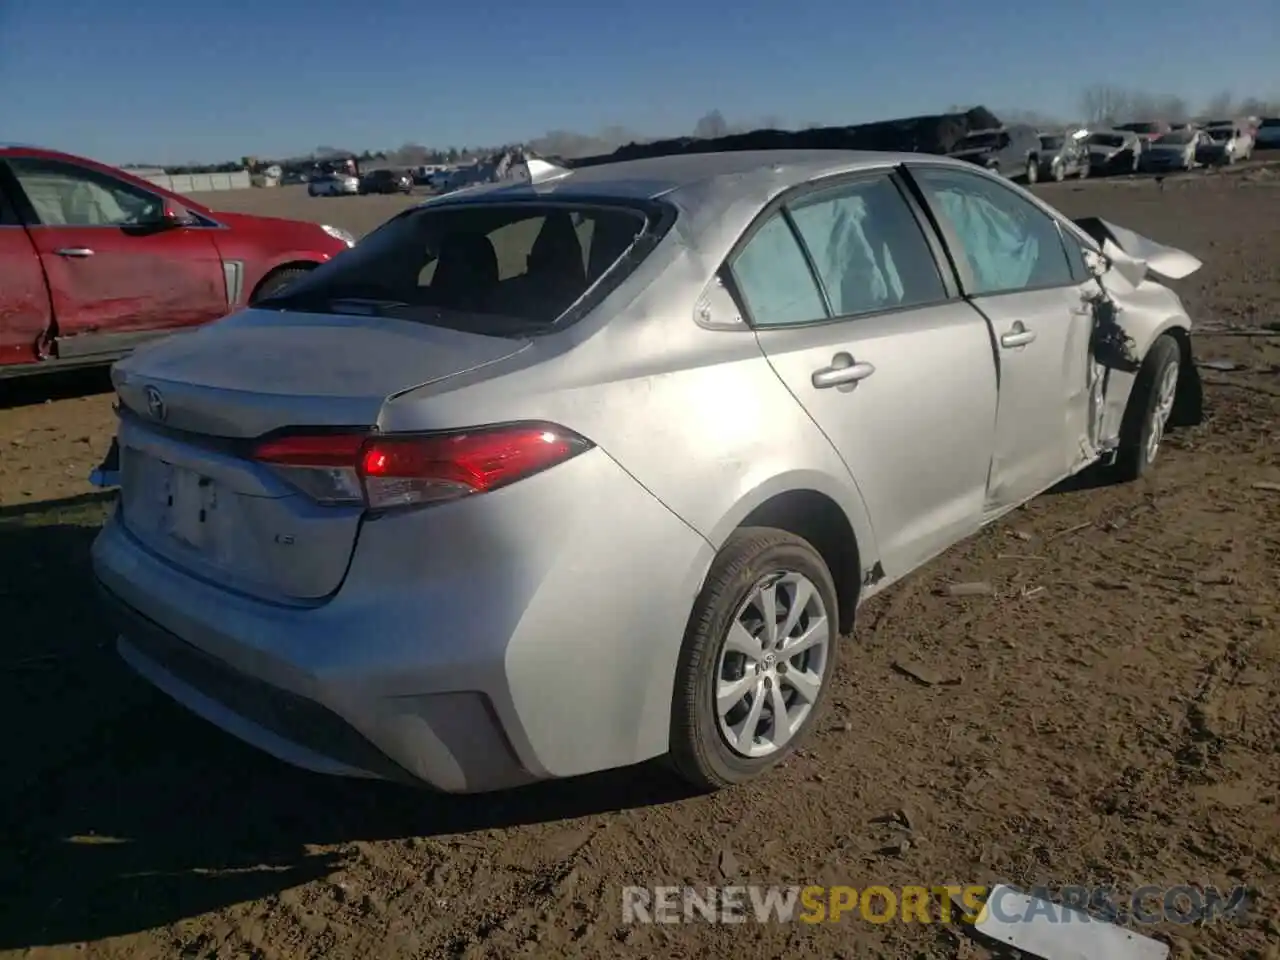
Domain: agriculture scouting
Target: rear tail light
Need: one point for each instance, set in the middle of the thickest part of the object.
(401, 470)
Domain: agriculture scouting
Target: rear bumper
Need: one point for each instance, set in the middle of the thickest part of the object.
(536, 637)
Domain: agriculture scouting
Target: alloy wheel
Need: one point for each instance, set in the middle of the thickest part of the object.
(771, 664)
(1166, 393)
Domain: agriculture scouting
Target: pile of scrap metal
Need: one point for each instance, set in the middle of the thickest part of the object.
(936, 134)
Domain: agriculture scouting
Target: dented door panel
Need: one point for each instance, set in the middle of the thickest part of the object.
(1042, 422)
(131, 281)
(25, 316)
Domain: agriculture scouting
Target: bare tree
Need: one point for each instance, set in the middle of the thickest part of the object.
(1257, 107)
(711, 125)
(1102, 104)
(1172, 108)
(1219, 105)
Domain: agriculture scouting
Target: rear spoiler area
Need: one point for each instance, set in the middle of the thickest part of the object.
(1133, 256)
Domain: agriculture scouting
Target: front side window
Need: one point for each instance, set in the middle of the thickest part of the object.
(1008, 242)
(8, 216)
(482, 267)
(1075, 257)
(68, 195)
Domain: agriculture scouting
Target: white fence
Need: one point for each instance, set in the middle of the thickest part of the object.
(202, 182)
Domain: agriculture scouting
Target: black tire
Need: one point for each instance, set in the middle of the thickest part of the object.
(276, 282)
(700, 753)
(1086, 169)
(1032, 173)
(1134, 458)
(1059, 172)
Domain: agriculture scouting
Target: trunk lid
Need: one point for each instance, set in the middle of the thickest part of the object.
(258, 370)
(191, 406)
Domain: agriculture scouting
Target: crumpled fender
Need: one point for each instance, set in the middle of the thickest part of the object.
(1133, 256)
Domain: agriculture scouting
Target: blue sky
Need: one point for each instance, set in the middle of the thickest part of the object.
(171, 82)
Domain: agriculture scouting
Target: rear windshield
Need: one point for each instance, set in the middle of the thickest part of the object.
(501, 269)
(1222, 133)
(1052, 143)
(1270, 122)
(1177, 137)
(1106, 140)
(1141, 127)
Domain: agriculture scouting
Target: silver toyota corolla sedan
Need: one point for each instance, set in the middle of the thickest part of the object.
(557, 476)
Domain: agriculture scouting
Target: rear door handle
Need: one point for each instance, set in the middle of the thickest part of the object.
(843, 370)
(76, 252)
(1019, 336)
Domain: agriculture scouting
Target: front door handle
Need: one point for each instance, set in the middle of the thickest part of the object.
(1019, 336)
(76, 252)
(843, 370)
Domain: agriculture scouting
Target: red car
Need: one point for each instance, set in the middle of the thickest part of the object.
(94, 261)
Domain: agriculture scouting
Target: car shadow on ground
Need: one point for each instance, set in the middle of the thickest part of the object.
(28, 391)
(122, 812)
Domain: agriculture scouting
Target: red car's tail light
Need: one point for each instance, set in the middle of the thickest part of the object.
(400, 470)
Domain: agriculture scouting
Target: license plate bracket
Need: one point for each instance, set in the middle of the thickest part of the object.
(191, 500)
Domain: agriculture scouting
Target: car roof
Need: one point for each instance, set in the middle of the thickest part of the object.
(680, 176)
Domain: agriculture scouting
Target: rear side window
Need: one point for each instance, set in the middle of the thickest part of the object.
(483, 267)
(867, 249)
(775, 281)
(858, 245)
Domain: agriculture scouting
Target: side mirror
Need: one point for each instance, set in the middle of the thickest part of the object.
(1097, 263)
(175, 215)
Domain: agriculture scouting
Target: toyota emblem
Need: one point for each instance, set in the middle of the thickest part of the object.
(155, 404)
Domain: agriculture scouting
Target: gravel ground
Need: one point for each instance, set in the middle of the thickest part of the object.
(1112, 715)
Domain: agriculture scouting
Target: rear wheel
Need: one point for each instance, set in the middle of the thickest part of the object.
(758, 656)
(276, 282)
(1033, 171)
(1155, 389)
(1059, 171)
(1085, 170)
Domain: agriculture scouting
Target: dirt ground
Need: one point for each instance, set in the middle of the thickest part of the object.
(1115, 720)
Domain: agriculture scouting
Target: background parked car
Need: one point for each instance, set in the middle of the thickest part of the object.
(1267, 136)
(94, 261)
(1012, 151)
(1063, 155)
(385, 181)
(1225, 144)
(1114, 151)
(1147, 130)
(1175, 150)
(333, 185)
